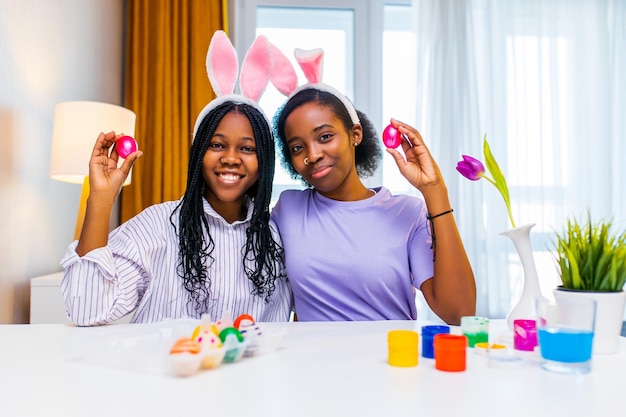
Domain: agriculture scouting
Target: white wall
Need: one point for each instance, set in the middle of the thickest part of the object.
(50, 51)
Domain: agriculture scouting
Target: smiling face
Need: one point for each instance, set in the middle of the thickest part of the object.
(314, 132)
(230, 166)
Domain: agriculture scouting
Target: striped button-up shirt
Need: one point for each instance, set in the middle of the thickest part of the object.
(137, 272)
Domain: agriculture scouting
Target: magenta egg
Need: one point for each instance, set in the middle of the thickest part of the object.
(125, 146)
(391, 137)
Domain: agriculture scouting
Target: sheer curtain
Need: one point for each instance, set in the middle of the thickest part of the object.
(545, 81)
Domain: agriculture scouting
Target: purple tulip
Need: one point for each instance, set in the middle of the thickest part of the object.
(471, 168)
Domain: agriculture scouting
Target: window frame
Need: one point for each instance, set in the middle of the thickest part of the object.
(368, 29)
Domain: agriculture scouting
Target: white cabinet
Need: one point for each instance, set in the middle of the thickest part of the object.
(46, 301)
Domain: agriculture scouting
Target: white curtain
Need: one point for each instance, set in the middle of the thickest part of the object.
(545, 80)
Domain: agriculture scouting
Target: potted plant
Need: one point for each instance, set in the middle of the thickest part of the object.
(591, 259)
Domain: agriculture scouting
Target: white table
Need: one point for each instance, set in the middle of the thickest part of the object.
(321, 369)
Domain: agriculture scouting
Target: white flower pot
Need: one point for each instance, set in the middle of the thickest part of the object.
(609, 316)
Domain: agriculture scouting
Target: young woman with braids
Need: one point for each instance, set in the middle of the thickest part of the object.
(359, 253)
(214, 251)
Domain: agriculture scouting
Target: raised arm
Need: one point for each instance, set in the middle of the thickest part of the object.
(451, 294)
(105, 183)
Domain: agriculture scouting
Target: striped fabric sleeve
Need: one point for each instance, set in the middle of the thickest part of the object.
(137, 273)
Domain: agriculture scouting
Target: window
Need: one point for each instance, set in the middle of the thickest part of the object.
(355, 54)
(368, 45)
(543, 80)
(307, 28)
(398, 83)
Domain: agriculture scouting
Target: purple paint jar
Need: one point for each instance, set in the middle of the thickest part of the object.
(524, 334)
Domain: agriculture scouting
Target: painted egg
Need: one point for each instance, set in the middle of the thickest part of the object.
(249, 330)
(185, 345)
(244, 319)
(233, 344)
(206, 335)
(125, 146)
(391, 137)
(233, 333)
(252, 335)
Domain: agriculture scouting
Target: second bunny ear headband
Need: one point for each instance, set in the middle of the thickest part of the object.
(311, 62)
(223, 68)
(263, 62)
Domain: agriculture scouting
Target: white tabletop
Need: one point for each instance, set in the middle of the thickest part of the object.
(321, 369)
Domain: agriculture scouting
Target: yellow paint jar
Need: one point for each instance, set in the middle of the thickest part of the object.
(403, 350)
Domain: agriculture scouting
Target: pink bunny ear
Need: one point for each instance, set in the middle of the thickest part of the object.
(256, 69)
(222, 64)
(284, 76)
(311, 62)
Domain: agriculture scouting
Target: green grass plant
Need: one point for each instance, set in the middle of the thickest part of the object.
(591, 257)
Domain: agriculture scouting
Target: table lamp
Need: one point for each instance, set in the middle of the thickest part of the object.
(77, 125)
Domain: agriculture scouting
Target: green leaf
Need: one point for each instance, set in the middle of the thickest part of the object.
(573, 269)
(498, 178)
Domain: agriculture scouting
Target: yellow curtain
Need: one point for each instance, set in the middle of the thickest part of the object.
(166, 85)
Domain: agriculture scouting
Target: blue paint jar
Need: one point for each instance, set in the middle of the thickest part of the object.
(428, 334)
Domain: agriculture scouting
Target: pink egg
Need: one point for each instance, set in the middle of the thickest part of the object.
(125, 146)
(391, 137)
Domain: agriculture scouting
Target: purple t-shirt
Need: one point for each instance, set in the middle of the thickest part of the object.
(357, 260)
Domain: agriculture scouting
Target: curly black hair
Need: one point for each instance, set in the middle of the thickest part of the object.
(194, 253)
(368, 154)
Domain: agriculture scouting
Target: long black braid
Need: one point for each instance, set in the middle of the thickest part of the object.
(195, 255)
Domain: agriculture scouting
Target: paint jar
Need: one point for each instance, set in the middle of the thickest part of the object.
(428, 333)
(450, 352)
(402, 345)
(476, 329)
(524, 334)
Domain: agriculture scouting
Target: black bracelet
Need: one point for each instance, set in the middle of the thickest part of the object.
(432, 229)
(429, 217)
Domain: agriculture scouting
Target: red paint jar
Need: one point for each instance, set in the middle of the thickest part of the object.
(450, 352)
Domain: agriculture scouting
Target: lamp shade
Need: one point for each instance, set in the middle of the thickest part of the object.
(77, 125)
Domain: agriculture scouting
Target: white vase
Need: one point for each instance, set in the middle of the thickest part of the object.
(609, 316)
(525, 307)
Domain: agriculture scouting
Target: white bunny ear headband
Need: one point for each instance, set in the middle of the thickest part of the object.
(223, 67)
(311, 62)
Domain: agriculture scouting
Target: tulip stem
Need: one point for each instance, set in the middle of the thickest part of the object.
(490, 180)
(508, 207)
